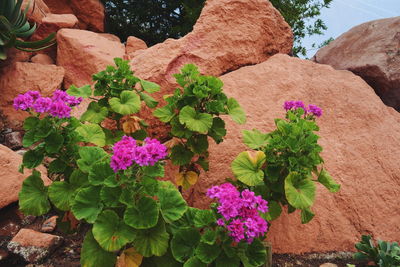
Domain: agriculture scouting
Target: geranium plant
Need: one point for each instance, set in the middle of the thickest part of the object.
(105, 172)
(286, 163)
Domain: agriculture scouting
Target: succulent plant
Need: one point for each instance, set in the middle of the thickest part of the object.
(14, 26)
(385, 254)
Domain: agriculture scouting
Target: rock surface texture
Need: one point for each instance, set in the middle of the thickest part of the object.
(84, 53)
(372, 51)
(133, 45)
(53, 23)
(10, 179)
(33, 246)
(360, 137)
(229, 34)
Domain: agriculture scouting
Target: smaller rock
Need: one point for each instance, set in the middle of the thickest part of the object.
(13, 140)
(49, 225)
(33, 246)
(328, 264)
(9, 229)
(54, 22)
(3, 254)
(42, 59)
(134, 44)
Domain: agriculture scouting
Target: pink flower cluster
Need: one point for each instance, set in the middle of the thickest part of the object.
(240, 212)
(59, 105)
(312, 109)
(127, 151)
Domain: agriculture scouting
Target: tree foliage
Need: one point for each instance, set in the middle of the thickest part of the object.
(152, 20)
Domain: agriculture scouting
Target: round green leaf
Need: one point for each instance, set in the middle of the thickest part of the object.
(92, 133)
(194, 262)
(100, 172)
(255, 139)
(127, 103)
(143, 215)
(209, 237)
(224, 261)
(204, 218)
(149, 87)
(87, 204)
(184, 243)
(93, 255)
(150, 101)
(165, 114)
(326, 180)
(299, 192)
(30, 123)
(274, 211)
(256, 253)
(153, 241)
(32, 159)
(180, 155)
(198, 122)
(62, 194)
(207, 253)
(33, 196)
(172, 204)
(84, 91)
(247, 167)
(306, 216)
(111, 232)
(217, 131)
(110, 196)
(235, 111)
(95, 113)
(89, 155)
(54, 142)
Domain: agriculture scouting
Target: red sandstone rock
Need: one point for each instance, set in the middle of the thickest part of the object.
(21, 77)
(83, 53)
(54, 22)
(228, 35)
(33, 246)
(49, 225)
(42, 59)
(134, 44)
(37, 10)
(89, 12)
(10, 179)
(370, 50)
(360, 137)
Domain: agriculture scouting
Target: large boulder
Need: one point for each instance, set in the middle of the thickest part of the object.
(84, 53)
(10, 178)
(229, 34)
(21, 77)
(89, 12)
(360, 137)
(370, 50)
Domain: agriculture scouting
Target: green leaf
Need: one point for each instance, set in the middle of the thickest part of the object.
(198, 122)
(247, 167)
(149, 87)
(127, 103)
(209, 237)
(93, 255)
(198, 143)
(306, 216)
(217, 131)
(100, 172)
(172, 204)
(184, 243)
(150, 185)
(165, 114)
(194, 262)
(87, 204)
(256, 253)
(204, 218)
(54, 143)
(110, 196)
(156, 170)
(32, 159)
(29, 138)
(62, 194)
(111, 232)
(57, 166)
(235, 111)
(150, 101)
(224, 261)
(89, 156)
(95, 113)
(78, 178)
(30, 123)
(153, 241)
(274, 211)
(43, 129)
(299, 192)
(255, 139)
(207, 253)
(143, 215)
(180, 155)
(326, 180)
(84, 91)
(33, 196)
(92, 133)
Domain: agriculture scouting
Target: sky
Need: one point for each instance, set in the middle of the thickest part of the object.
(345, 14)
